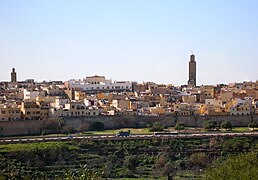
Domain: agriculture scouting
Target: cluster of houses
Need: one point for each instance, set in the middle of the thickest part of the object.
(95, 96)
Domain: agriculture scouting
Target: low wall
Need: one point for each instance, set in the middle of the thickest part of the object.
(29, 127)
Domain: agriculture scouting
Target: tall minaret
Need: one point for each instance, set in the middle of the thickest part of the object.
(13, 76)
(192, 71)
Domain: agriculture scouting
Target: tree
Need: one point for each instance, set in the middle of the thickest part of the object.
(1, 129)
(179, 126)
(83, 128)
(98, 126)
(226, 125)
(157, 126)
(243, 166)
(176, 116)
(168, 170)
(210, 125)
(199, 160)
(61, 124)
(234, 145)
(164, 166)
(83, 174)
(253, 124)
(131, 162)
(54, 125)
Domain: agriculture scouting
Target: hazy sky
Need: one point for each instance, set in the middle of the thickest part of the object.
(137, 40)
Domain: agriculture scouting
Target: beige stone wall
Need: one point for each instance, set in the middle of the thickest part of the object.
(26, 127)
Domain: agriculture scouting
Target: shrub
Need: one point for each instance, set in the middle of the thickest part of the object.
(243, 166)
(98, 126)
(179, 126)
(226, 125)
(157, 126)
(253, 124)
(210, 125)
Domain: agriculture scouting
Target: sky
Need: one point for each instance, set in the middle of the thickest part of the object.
(135, 40)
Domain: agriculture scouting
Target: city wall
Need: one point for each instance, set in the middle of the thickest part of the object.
(31, 127)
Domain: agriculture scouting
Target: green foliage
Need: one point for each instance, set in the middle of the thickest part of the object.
(210, 125)
(35, 146)
(253, 124)
(235, 145)
(54, 125)
(157, 126)
(179, 126)
(115, 159)
(98, 126)
(83, 174)
(244, 166)
(226, 125)
(164, 166)
(131, 162)
(199, 160)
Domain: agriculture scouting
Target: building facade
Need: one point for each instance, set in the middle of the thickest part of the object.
(96, 83)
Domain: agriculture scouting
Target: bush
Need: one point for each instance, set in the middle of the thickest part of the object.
(244, 166)
(157, 126)
(253, 124)
(179, 126)
(199, 160)
(210, 125)
(226, 125)
(98, 126)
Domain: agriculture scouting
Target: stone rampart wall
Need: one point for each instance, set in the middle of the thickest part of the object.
(27, 127)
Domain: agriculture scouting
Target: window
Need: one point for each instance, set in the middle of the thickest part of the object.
(3, 112)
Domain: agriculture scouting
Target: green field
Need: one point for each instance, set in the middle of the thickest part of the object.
(111, 159)
(146, 130)
(132, 130)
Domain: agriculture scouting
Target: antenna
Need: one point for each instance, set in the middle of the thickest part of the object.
(192, 51)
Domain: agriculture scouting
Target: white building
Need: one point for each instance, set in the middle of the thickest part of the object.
(60, 102)
(101, 84)
(32, 94)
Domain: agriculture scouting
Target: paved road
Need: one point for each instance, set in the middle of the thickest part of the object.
(113, 137)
